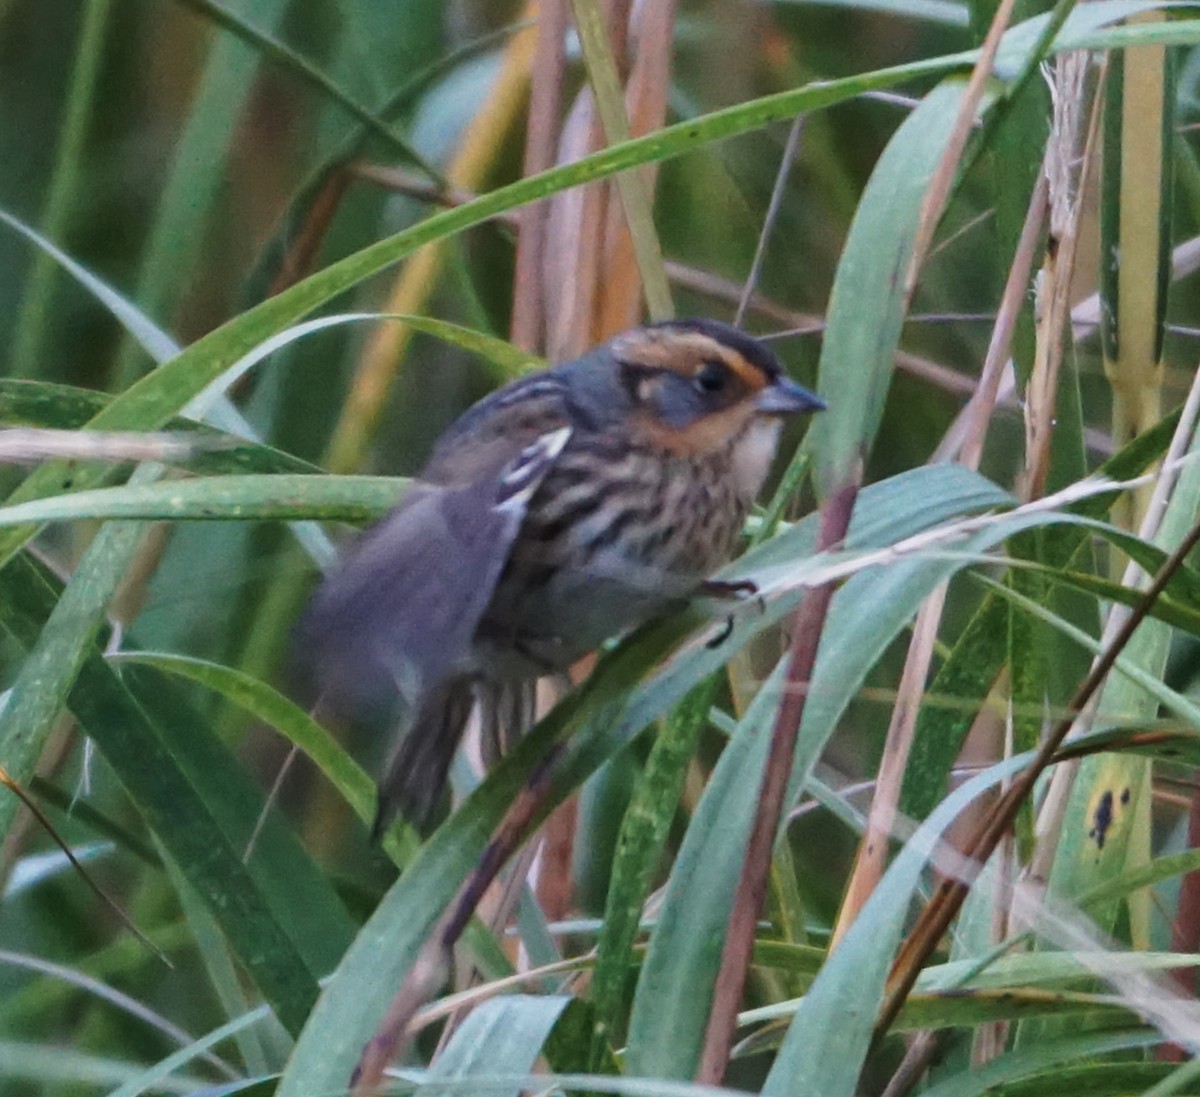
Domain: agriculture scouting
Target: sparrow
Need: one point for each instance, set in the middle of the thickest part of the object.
(561, 511)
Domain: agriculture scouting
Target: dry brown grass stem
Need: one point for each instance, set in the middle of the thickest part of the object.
(1066, 211)
(873, 849)
(752, 881)
(528, 326)
(978, 412)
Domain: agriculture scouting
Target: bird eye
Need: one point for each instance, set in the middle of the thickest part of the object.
(711, 377)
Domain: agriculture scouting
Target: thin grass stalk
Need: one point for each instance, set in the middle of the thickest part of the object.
(790, 150)
(872, 857)
(318, 215)
(43, 820)
(978, 412)
(740, 670)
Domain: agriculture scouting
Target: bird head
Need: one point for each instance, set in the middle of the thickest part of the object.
(696, 386)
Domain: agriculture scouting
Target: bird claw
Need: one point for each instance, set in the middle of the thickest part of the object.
(726, 591)
(720, 588)
(722, 636)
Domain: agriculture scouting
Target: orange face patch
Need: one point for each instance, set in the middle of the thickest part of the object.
(708, 434)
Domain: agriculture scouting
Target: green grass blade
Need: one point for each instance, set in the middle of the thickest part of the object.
(227, 498)
(640, 842)
(991, 1077)
(278, 53)
(502, 1037)
(200, 165)
(40, 691)
(867, 303)
(66, 185)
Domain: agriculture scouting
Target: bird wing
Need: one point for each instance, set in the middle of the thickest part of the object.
(495, 431)
(401, 614)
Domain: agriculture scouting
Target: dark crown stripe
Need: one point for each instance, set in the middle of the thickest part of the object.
(755, 352)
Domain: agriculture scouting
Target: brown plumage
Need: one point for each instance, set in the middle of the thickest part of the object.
(562, 510)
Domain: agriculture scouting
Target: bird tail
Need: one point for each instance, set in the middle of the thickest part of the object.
(507, 710)
(416, 774)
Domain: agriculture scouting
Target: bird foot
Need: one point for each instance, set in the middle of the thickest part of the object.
(728, 591)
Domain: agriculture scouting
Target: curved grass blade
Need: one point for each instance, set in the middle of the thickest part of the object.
(44, 1064)
(159, 1076)
(257, 698)
(868, 299)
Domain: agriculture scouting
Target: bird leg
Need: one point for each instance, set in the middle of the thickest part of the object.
(726, 591)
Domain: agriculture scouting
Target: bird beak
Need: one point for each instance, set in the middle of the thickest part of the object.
(785, 397)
